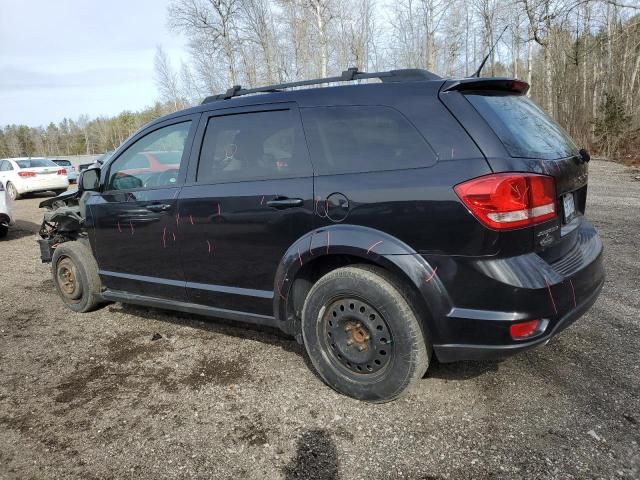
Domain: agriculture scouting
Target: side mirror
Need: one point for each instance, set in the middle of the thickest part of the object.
(584, 154)
(89, 180)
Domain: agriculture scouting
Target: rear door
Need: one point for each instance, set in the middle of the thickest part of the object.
(249, 197)
(135, 234)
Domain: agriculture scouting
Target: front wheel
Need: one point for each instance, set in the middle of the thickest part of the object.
(75, 275)
(362, 336)
(12, 191)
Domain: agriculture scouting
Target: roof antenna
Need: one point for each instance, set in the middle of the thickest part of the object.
(477, 72)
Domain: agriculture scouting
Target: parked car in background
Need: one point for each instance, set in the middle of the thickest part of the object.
(29, 175)
(379, 224)
(97, 162)
(6, 218)
(72, 175)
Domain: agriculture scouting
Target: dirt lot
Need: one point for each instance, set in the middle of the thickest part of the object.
(94, 396)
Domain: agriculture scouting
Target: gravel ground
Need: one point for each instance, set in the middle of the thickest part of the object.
(94, 396)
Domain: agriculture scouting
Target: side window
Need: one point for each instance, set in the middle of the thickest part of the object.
(253, 146)
(363, 139)
(5, 166)
(152, 161)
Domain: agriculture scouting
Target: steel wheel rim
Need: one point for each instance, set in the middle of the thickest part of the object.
(68, 280)
(356, 336)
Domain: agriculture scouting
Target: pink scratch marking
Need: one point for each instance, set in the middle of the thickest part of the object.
(311, 244)
(164, 235)
(553, 303)
(453, 152)
(131, 225)
(177, 218)
(219, 210)
(374, 246)
(209, 246)
(119, 229)
(299, 257)
(262, 201)
(174, 236)
(430, 277)
(328, 240)
(280, 290)
(573, 292)
(190, 219)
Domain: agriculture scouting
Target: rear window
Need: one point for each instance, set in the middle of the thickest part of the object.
(363, 139)
(524, 129)
(66, 163)
(35, 163)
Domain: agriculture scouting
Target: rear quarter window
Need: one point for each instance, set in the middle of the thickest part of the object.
(524, 129)
(354, 139)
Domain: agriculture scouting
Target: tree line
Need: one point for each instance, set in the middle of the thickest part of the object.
(581, 58)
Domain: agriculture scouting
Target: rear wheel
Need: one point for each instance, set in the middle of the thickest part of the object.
(362, 336)
(12, 191)
(75, 275)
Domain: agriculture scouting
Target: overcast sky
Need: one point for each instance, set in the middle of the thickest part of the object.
(65, 58)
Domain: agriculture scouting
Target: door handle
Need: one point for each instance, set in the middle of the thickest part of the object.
(282, 203)
(158, 207)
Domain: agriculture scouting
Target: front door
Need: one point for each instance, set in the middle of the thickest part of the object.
(134, 217)
(248, 198)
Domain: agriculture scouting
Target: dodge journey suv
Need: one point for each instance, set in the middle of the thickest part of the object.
(380, 224)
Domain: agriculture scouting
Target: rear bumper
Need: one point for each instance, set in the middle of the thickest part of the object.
(57, 182)
(455, 352)
(489, 295)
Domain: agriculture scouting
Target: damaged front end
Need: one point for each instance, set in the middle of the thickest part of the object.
(63, 222)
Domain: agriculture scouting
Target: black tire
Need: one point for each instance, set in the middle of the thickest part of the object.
(75, 275)
(3, 231)
(362, 336)
(12, 192)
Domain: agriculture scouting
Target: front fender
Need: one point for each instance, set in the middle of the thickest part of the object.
(373, 246)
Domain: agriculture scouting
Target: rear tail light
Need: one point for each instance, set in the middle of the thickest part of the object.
(27, 174)
(62, 171)
(528, 329)
(504, 201)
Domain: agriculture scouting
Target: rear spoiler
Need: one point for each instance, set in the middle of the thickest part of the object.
(481, 84)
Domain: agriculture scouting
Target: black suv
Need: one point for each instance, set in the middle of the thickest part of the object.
(378, 223)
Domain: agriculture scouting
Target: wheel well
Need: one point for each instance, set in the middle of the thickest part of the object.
(313, 270)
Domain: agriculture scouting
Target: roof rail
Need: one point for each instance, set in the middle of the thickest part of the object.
(349, 75)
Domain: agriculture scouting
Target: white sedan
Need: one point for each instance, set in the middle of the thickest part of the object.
(26, 175)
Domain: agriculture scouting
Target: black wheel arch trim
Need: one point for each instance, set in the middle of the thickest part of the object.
(372, 246)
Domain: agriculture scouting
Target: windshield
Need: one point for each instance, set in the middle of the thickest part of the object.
(524, 129)
(35, 163)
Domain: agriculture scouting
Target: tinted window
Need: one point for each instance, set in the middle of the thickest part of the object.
(65, 163)
(35, 163)
(139, 166)
(5, 166)
(363, 139)
(251, 146)
(523, 128)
